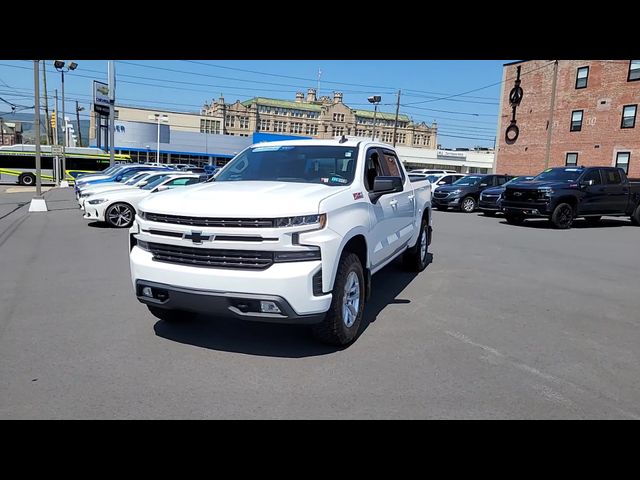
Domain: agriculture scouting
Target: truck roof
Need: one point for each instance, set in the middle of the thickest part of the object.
(350, 142)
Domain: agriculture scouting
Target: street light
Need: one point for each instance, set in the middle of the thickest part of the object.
(60, 66)
(160, 118)
(375, 99)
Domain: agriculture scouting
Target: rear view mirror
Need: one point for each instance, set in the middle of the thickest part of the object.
(383, 186)
(142, 183)
(588, 183)
(161, 188)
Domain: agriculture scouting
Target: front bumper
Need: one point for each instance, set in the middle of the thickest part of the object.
(94, 212)
(290, 283)
(447, 201)
(239, 305)
(533, 209)
(489, 206)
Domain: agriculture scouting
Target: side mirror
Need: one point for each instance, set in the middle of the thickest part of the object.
(161, 188)
(588, 183)
(441, 183)
(484, 184)
(119, 178)
(383, 186)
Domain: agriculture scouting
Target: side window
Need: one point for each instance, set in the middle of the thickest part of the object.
(612, 176)
(593, 175)
(489, 181)
(502, 180)
(391, 165)
(372, 168)
(178, 182)
(448, 180)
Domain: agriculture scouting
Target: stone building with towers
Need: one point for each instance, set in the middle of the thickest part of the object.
(324, 117)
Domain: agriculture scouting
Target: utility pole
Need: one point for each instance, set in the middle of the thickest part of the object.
(551, 108)
(38, 203)
(395, 125)
(56, 166)
(63, 173)
(112, 100)
(46, 105)
(78, 108)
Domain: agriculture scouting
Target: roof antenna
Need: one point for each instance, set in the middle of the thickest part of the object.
(343, 139)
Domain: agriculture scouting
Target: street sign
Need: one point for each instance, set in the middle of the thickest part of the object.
(56, 149)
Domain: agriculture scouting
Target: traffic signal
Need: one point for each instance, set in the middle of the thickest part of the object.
(53, 120)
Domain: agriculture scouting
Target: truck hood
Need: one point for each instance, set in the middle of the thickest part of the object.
(452, 188)
(245, 199)
(534, 185)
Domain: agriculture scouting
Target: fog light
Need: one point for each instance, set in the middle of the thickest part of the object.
(269, 307)
(147, 292)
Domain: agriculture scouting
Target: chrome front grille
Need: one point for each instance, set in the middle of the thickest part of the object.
(211, 257)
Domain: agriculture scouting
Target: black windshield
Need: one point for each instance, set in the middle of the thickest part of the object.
(559, 175)
(327, 165)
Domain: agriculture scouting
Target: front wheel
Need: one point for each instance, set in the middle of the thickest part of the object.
(415, 259)
(342, 322)
(563, 216)
(468, 204)
(27, 179)
(635, 216)
(120, 215)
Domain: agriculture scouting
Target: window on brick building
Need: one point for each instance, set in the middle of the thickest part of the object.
(634, 70)
(582, 77)
(572, 159)
(622, 161)
(576, 120)
(629, 116)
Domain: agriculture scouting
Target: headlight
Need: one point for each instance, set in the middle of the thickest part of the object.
(319, 220)
(82, 195)
(142, 215)
(455, 192)
(97, 201)
(545, 192)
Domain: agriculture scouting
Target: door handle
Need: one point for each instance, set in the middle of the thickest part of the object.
(411, 197)
(393, 203)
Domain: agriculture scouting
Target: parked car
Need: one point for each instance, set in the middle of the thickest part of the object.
(289, 232)
(118, 207)
(490, 198)
(120, 175)
(464, 194)
(137, 181)
(565, 193)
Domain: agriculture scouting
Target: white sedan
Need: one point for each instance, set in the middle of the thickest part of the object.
(118, 207)
(137, 181)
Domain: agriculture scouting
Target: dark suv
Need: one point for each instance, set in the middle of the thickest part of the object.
(464, 193)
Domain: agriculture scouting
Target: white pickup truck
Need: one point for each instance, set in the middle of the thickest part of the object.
(287, 232)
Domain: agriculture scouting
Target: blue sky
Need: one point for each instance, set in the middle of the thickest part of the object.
(464, 120)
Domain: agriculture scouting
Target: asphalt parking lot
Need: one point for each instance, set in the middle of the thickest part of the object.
(506, 322)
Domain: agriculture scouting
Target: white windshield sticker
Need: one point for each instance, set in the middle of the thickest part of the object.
(571, 170)
(347, 154)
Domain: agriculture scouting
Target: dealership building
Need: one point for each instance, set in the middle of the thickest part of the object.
(192, 138)
(569, 112)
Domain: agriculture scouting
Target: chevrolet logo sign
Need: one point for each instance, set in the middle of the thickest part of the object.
(518, 194)
(196, 236)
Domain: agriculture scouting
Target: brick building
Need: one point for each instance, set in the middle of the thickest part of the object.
(571, 112)
(323, 117)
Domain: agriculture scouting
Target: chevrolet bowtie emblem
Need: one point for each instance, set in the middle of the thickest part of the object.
(517, 194)
(197, 237)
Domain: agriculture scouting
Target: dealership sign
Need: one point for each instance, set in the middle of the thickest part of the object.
(451, 155)
(101, 98)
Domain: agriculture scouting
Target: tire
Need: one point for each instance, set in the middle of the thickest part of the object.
(489, 213)
(442, 209)
(468, 205)
(563, 216)
(592, 220)
(120, 215)
(171, 316)
(415, 259)
(27, 179)
(514, 218)
(635, 216)
(339, 327)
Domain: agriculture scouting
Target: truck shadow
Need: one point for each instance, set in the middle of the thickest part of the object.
(276, 340)
(580, 223)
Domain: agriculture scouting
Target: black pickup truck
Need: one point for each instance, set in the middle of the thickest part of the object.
(565, 193)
